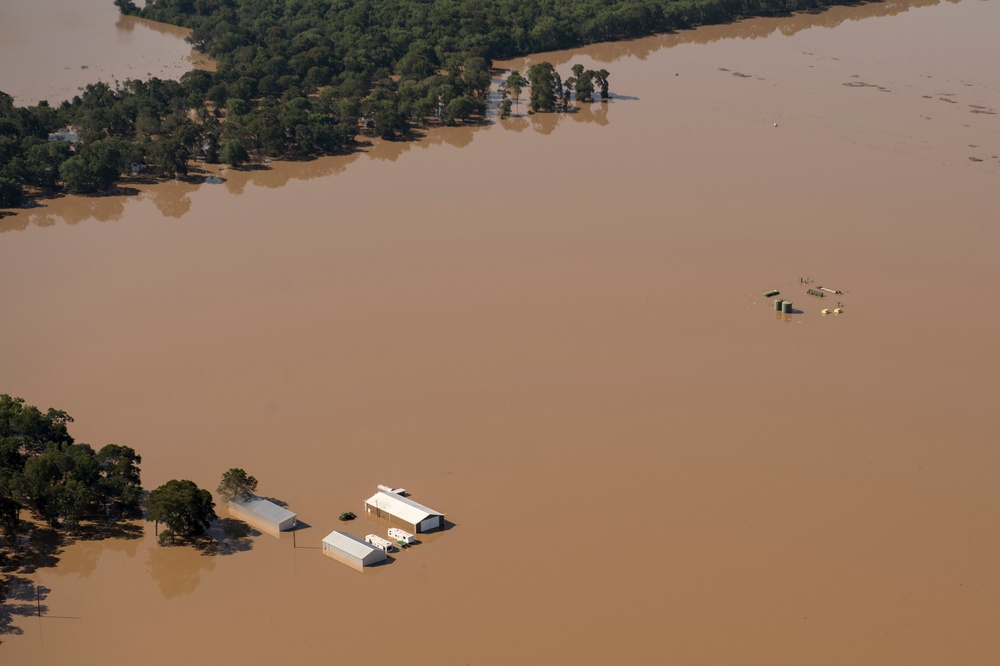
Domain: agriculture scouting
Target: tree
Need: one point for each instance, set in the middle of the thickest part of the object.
(182, 506)
(171, 155)
(601, 76)
(419, 62)
(119, 483)
(77, 176)
(11, 465)
(543, 95)
(98, 166)
(59, 484)
(584, 85)
(235, 483)
(515, 83)
(476, 77)
(127, 7)
(237, 107)
(233, 153)
(10, 193)
(30, 427)
(42, 162)
(462, 107)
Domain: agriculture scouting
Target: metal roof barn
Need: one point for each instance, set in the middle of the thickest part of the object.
(263, 514)
(351, 550)
(403, 512)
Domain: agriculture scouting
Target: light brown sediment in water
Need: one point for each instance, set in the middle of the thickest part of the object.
(557, 335)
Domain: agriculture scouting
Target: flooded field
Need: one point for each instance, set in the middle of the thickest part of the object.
(552, 329)
(51, 49)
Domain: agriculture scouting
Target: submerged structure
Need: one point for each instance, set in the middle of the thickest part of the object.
(262, 514)
(352, 551)
(403, 512)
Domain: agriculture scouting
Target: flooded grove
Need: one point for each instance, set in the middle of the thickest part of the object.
(552, 328)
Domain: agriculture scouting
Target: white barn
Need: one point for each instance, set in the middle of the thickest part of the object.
(403, 512)
(263, 514)
(351, 550)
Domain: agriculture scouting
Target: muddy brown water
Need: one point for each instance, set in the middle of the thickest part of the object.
(552, 329)
(51, 49)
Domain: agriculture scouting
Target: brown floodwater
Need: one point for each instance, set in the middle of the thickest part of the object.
(51, 49)
(552, 329)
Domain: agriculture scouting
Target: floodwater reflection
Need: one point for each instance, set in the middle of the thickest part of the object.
(20, 599)
(173, 197)
(177, 569)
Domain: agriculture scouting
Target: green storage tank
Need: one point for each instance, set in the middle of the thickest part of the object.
(777, 304)
(786, 307)
(769, 294)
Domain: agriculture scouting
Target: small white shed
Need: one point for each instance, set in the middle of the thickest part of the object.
(351, 550)
(263, 514)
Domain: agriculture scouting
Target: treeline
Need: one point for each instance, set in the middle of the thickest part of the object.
(304, 77)
(63, 483)
(60, 481)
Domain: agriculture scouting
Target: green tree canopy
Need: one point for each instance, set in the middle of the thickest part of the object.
(61, 482)
(515, 84)
(119, 486)
(235, 483)
(10, 193)
(543, 92)
(182, 506)
(233, 153)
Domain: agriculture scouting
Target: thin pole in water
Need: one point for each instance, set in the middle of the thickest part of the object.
(38, 601)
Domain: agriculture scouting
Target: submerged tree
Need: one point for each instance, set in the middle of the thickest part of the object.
(515, 84)
(119, 486)
(61, 482)
(504, 107)
(182, 506)
(601, 76)
(11, 193)
(543, 94)
(584, 83)
(235, 483)
(233, 153)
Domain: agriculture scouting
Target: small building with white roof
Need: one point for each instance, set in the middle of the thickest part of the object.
(262, 514)
(403, 512)
(351, 550)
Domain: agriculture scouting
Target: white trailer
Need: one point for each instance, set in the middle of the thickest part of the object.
(379, 542)
(397, 534)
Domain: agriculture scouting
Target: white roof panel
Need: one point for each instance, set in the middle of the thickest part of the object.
(264, 508)
(349, 544)
(404, 507)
